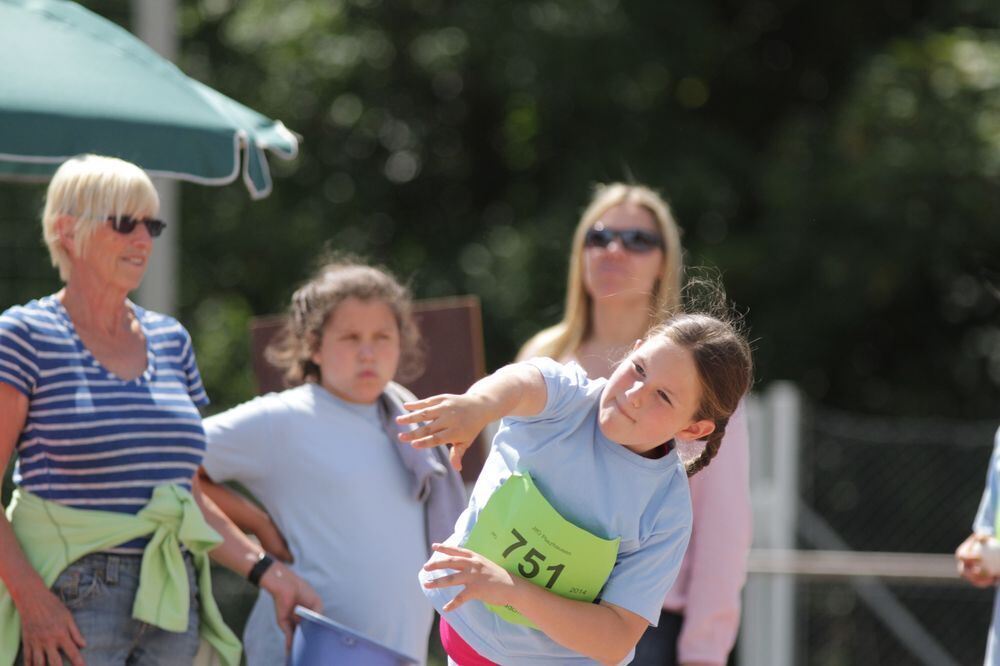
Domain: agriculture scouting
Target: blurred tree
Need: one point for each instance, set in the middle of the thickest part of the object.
(457, 143)
(886, 215)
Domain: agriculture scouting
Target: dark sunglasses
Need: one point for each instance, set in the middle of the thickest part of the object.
(125, 224)
(633, 240)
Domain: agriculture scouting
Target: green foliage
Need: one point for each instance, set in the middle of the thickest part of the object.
(885, 214)
(838, 163)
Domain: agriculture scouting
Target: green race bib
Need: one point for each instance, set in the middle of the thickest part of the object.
(519, 530)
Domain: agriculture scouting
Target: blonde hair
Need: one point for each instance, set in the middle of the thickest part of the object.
(90, 189)
(566, 337)
(725, 371)
(314, 302)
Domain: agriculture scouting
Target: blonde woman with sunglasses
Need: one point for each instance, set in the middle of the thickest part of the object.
(104, 548)
(625, 271)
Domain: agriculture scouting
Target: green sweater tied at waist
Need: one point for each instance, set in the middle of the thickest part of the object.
(54, 536)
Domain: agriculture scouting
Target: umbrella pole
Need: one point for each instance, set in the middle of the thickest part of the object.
(158, 290)
(155, 22)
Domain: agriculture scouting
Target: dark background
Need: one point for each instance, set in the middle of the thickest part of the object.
(838, 162)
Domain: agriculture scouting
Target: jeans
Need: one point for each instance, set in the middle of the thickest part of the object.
(658, 646)
(99, 590)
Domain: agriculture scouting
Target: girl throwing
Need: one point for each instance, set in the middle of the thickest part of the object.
(579, 520)
(625, 266)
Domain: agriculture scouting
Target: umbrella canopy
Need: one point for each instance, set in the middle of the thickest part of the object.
(72, 82)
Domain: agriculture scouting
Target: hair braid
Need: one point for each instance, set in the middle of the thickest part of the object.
(712, 446)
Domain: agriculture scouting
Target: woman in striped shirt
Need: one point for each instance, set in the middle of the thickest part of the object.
(99, 398)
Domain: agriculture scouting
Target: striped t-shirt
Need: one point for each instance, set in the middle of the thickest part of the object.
(92, 440)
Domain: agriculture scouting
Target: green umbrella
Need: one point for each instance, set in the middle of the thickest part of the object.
(72, 82)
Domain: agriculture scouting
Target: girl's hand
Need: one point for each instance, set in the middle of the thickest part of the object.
(969, 562)
(448, 419)
(288, 591)
(48, 631)
(482, 578)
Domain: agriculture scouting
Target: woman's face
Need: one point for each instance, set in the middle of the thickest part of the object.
(615, 272)
(652, 397)
(111, 259)
(359, 351)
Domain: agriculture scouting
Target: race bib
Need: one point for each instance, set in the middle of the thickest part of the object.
(519, 530)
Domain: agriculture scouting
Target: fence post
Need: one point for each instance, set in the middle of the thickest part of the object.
(767, 637)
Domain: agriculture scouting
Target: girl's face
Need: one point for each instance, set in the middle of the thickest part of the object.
(652, 397)
(359, 351)
(614, 271)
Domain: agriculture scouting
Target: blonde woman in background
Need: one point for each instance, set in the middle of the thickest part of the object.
(625, 269)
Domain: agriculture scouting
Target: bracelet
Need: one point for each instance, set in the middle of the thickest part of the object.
(260, 566)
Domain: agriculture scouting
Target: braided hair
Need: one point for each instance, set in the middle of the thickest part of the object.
(722, 357)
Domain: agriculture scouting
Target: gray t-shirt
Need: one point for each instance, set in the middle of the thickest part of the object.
(327, 473)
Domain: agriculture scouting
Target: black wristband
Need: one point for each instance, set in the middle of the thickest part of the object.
(259, 567)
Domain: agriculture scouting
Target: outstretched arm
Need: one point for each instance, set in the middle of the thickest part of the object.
(603, 632)
(514, 390)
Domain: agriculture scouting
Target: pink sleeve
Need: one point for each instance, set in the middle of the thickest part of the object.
(717, 555)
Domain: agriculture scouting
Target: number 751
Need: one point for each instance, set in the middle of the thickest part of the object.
(532, 559)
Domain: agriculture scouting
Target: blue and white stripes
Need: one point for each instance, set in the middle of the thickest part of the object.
(92, 440)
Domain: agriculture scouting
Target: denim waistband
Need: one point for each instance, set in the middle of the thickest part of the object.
(110, 565)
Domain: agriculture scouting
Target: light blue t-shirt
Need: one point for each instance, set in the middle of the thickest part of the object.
(332, 482)
(594, 483)
(985, 523)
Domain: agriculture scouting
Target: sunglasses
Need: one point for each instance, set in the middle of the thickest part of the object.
(125, 224)
(633, 240)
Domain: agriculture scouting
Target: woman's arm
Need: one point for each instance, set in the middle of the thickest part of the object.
(247, 515)
(604, 632)
(514, 390)
(239, 553)
(47, 626)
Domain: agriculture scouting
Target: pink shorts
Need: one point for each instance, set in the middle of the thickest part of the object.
(460, 651)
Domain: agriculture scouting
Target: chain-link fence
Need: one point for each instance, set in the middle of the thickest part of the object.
(868, 484)
(837, 625)
(893, 484)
